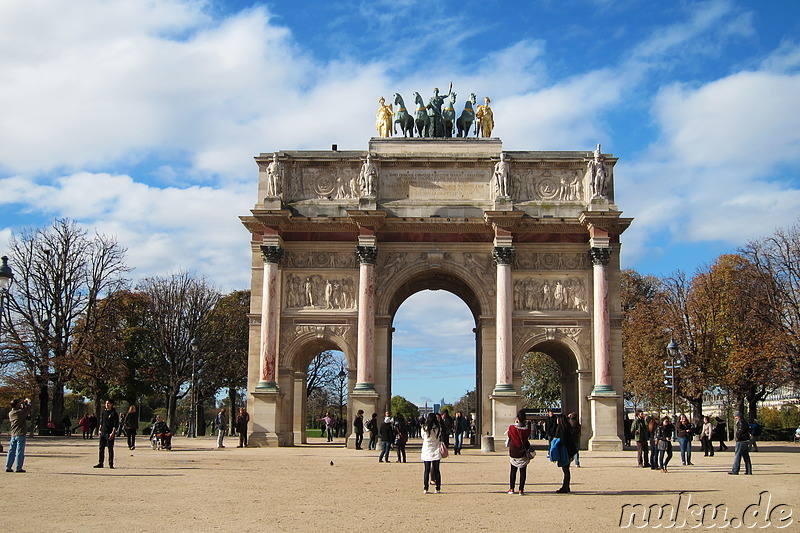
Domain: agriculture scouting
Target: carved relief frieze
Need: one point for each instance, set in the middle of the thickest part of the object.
(323, 182)
(578, 335)
(480, 264)
(315, 291)
(560, 294)
(548, 185)
(552, 261)
(297, 259)
(290, 332)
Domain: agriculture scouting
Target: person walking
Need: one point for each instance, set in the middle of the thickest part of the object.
(241, 426)
(575, 427)
(652, 426)
(562, 450)
(109, 423)
(722, 434)
(706, 436)
(664, 435)
(755, 432)
(387, 437)
(685, 430)
(641, 434)
(401, 437)
(460, 427)
(431, 454)
(372, 427)
(92, 425)
(84, 425)
(358, 428)
(447, 427)
(741, 434)
(328, 425)
(221, 423)
(18, 416)
(130, 422)
(518, 445)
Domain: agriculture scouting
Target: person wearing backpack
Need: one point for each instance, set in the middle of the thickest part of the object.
(372, 427)
(742, 436)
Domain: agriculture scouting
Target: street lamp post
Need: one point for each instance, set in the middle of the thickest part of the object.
(194, 345)
(6, 278)
(342, 374)
(669, 374)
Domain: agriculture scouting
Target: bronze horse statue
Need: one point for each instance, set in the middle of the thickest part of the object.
(464, 122)
(449, 116)
(422, 120)
(403, 118)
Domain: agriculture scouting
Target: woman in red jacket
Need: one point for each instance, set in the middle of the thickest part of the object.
(518, 446)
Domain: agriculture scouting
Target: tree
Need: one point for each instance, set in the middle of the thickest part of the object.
(62, 274)
(541, 381)
(467, 404)
(401, 406)
(180, 306)
(777, 261)
(227, 343)
(322, 371)
(645, 334)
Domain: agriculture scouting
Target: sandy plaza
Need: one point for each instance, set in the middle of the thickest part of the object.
(196, 487)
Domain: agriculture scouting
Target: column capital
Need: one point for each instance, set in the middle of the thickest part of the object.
(367, 254)
(503, 255)
(600, 255)
(272, 253)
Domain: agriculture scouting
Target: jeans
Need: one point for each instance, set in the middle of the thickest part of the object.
(385, 449)
(707, 446)
(401, 452)
(373, 441)
(459, 443)
(742, 452)
(330, 433)
(664, 456)
(359, 440)
(131, 434)
(432, 473)
(220, 437)
(686, 450)
(16, 449)
(654, 457)
(106, 441)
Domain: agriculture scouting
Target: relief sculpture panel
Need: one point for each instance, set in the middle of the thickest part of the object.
(329, 182)
(295, 259)
(552, 261)
(320, 292)
(561, 294)
(548, 185)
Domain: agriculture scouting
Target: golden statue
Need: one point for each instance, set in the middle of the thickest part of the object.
(383, 119)
(485, 119)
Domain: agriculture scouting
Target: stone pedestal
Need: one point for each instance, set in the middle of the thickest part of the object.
(273, 203)
(367, 402)
(264, 420)
(504, 412)
(604, 418)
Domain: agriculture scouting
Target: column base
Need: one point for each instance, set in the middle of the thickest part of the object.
(504, 389)
(605, 423)
(504, 412)
(264, 439)
(267, 386)
(365, 388)
(604, 390)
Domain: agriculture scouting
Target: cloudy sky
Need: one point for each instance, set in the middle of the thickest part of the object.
(141, 119)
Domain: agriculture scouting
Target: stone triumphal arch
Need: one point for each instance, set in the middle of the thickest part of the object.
(528, 240)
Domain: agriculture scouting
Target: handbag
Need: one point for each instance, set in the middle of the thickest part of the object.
(443, 450)
(662, 445)
(530, 453)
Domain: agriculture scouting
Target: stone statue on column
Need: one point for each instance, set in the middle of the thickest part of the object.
(501, 177)
(596, 174)
(274, 175)
(368, 178)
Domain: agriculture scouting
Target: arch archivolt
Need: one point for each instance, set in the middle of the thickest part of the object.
(469, 275)
(575, 338)
(300, 343)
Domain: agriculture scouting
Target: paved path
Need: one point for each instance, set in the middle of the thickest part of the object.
(196, 487)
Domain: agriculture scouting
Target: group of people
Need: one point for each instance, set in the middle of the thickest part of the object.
(655, 436)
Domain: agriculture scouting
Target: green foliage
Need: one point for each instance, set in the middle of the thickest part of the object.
(777, 418)
(401, 406)
(541, 381)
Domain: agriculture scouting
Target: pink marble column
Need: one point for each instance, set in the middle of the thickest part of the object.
(270, 310)
(366, 318)
(602, 323)
(503, 256)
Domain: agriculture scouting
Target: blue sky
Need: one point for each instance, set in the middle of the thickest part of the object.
(141, 119)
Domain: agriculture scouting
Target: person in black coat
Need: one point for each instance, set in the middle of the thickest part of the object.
(563, 431)
(387, 437)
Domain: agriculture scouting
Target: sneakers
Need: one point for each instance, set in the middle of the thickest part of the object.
(437, 491)
(9, 470)
(511, 491)
(522, 493)
(424, 491)
(20, 470)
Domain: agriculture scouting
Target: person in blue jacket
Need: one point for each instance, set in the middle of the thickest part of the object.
(562, 449)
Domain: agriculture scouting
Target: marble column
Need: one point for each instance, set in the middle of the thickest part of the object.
(270, 310)
(503, 256)
(600, 257)
(366, 318)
